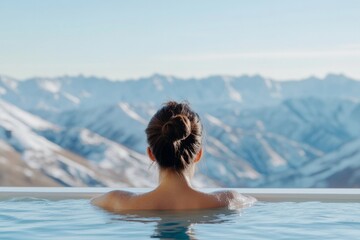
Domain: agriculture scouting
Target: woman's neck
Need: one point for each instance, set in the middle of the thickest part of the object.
(172, 180)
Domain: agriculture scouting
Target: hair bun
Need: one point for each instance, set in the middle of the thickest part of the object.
(177, 128)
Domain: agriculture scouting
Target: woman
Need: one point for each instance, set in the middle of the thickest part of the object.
(174, 135)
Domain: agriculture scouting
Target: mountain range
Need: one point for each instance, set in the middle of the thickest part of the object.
(258, 132)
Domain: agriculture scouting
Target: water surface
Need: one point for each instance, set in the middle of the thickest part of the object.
(76, 219)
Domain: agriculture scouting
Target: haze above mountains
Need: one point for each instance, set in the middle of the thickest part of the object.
(88, 131)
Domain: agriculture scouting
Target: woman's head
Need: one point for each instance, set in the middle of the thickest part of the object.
(174, 135)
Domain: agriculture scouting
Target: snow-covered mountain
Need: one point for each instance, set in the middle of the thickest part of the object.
(68, 93)
(19, 136)
(80, 130)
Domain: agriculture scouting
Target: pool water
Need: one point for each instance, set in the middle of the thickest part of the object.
(32, 218)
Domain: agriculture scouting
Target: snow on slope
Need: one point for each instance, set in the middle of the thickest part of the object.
(246, 157)
(50, 85)
(307, 133)
(323, 125)
(233, 93)
(125, 107)
(337, 169)
(132, 168)
(15, 172)
(122, 123)
(12, 113)
(18, 130)
(339, 162)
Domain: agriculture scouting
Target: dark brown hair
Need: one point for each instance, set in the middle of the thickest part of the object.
(174, 135)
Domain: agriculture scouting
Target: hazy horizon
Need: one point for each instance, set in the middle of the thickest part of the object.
(176, 76)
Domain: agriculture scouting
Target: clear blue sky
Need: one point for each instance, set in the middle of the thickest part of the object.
(127, 39)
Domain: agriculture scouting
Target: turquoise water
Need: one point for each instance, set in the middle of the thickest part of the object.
(77, 219)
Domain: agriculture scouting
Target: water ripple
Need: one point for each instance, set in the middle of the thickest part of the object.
(76, 219)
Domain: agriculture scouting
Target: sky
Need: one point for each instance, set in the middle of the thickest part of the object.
(117, 39)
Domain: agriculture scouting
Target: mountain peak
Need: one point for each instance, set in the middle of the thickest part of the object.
(337, 77)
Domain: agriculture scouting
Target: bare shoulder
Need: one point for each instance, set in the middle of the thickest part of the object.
(112, 200)
(233, 199)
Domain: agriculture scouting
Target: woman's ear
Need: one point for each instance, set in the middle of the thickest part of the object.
(199, 155)
(150, 154)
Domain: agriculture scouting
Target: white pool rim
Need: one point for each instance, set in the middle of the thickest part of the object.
(261, 194)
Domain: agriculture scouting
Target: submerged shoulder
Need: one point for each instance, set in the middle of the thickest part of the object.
(233, 199)
(119, 194)
(227, 196)
(112, 200)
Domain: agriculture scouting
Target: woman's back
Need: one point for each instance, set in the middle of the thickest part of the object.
(174, 135)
